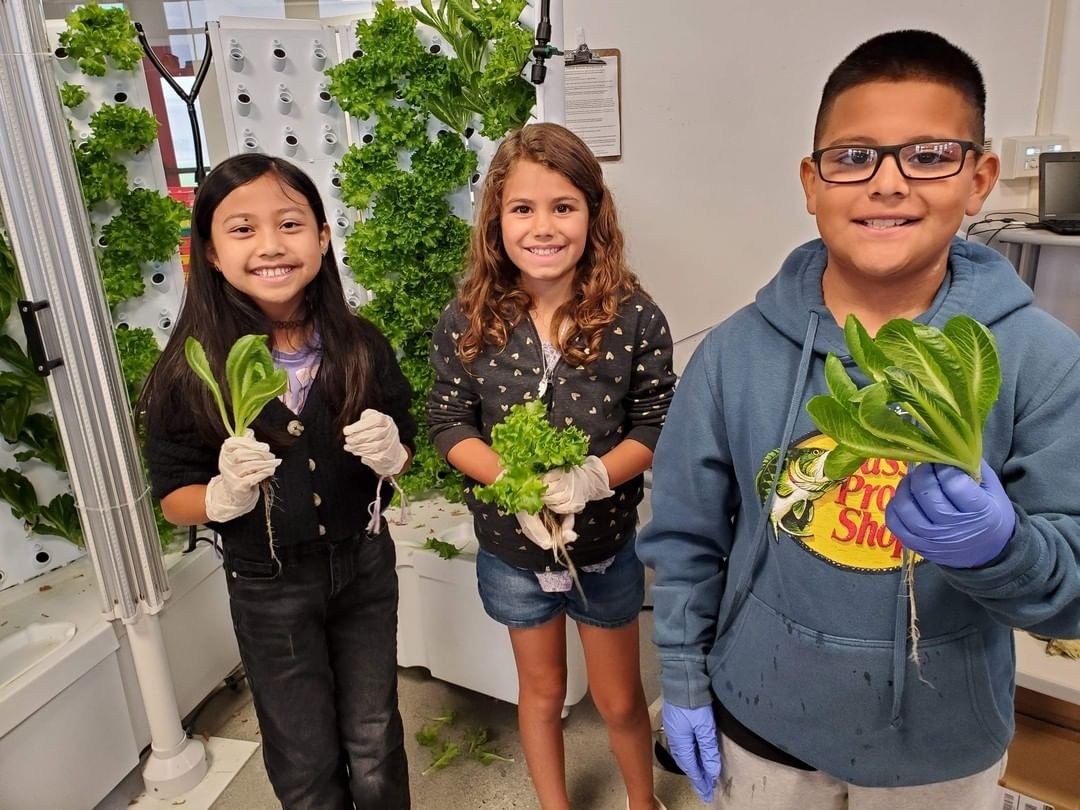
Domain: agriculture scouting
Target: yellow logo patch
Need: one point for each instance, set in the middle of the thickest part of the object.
(843, 522)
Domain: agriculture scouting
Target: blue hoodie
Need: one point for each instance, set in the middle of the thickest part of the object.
(795, 615)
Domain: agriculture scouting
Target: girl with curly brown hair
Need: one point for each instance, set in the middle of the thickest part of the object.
(550, 311)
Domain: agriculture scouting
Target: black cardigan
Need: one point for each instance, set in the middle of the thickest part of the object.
(624, 394)
(320, 489)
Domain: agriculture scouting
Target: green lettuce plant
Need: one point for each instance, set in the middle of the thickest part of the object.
(928, 399)
(146, 229)
(945, 380)
(252, 382)
(482, 77)
(120, 128)
(139, 351)
(528, 445)
(252, 379)
(72, 95)
(95, 35)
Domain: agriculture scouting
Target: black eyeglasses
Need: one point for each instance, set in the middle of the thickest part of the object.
(920, 160)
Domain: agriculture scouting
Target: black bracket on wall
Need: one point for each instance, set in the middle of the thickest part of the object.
(35, 346)
(542, 51)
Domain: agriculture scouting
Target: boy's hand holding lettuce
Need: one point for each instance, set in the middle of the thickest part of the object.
(244, 463)
(950, 508)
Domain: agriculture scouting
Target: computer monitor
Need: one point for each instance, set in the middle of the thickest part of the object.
(1059, 186)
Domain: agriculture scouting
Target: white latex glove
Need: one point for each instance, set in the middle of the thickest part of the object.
(532, 526)
(569, 490)
(243, 463)
(374, 438)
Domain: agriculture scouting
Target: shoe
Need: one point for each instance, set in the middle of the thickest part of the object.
(659, 804)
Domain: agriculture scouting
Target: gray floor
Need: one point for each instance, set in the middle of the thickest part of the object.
(593, 779)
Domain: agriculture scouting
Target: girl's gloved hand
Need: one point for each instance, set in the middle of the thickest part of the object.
(942, 513)
(569, 490)
(374, 438)
(691, 736)
(532, 526)
(243, 464)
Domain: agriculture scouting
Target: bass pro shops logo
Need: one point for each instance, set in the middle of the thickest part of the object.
(843, 522)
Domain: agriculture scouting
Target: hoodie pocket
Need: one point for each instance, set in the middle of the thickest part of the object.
(826, 699)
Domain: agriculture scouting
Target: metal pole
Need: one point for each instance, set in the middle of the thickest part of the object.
(50, 236)
(551, 93)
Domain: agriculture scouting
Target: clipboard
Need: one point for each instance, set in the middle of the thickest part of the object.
(594, 99)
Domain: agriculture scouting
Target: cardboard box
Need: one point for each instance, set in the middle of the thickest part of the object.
(1048, 709)
(1044, 766)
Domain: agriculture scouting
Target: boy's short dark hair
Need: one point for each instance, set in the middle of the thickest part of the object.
(903, 56)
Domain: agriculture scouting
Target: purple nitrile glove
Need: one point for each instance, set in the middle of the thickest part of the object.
(941, 512)
(691, 736)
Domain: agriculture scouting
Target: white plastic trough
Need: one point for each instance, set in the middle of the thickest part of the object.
(442, 625)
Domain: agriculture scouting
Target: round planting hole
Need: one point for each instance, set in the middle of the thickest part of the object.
(120, 97)
(476, 178)
(368, 137)
(342, 222)
(243, 98)
(42, 557)
(123, 326)
(250, 143)
(357, 53)
(436, 48)
(61, 53)
(279, 53)
(166, 323)
(469, 132)
(335, 181)
(291, 140)
(324, 96)
(157, 278)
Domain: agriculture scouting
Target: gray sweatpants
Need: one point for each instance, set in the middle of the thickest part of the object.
(749, 781)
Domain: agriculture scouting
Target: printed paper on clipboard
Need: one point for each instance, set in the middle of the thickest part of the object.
(592, 99)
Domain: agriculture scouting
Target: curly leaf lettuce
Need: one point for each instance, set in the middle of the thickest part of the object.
(528, 445)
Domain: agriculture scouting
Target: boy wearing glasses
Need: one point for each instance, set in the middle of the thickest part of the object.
(781, 607)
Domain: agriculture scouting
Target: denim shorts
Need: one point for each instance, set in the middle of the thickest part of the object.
(513, 596)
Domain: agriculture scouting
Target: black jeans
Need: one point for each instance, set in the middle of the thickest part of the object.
(318, 638)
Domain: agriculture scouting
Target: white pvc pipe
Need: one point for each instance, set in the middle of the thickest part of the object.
(176, 763)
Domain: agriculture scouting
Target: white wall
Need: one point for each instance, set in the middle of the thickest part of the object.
(1067, 99)
(718, 105)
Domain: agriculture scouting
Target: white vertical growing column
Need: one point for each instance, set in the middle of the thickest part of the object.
(274, 100)
(23, 556)
(411, 167)
(157, 307)
(43, 207)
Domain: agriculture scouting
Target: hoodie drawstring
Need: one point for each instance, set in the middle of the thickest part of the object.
(900, 632)
(760, 535)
